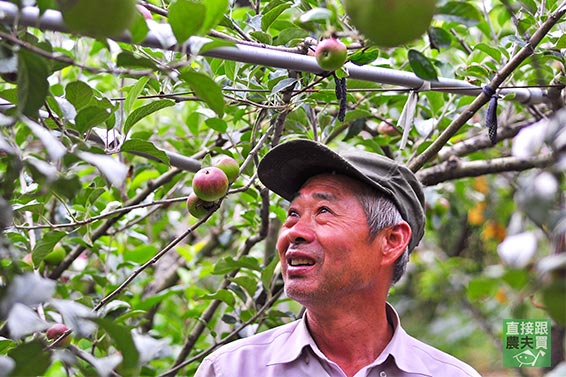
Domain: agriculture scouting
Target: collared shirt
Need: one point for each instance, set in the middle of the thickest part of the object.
(290, 351)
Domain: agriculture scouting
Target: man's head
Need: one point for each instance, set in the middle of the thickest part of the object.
(288, 166)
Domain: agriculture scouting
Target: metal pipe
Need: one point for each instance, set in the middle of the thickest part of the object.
(52, 20)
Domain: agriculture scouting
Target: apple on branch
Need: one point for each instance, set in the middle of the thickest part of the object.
(210, 184)
(55, 332)
(331, 54)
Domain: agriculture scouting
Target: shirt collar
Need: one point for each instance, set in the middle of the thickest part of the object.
(293, 345)
(399, 347)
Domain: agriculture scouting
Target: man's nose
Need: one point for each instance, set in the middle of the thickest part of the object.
(301, 232)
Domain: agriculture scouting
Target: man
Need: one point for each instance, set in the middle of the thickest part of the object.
(352, 221)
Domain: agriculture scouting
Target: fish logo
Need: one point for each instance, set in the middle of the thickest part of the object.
(528, 358)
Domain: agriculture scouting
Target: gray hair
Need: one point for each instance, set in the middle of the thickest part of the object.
(382, 213)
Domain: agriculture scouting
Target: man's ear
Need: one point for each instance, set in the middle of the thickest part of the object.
(394, 241)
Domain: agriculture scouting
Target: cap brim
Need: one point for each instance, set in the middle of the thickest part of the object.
(289, 165)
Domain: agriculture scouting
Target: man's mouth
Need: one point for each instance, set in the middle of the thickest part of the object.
(300, 261)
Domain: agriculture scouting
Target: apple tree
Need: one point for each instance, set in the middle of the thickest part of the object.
(110, 108)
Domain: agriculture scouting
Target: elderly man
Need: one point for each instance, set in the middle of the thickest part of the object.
(352, 221)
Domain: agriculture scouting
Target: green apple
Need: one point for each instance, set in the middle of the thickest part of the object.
(198, 207)
(331, 54)
(56, 256)
(390, 23)
(98, 18)
(229, 166)
(210, 184)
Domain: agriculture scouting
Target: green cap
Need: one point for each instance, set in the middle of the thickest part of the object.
(285, 169)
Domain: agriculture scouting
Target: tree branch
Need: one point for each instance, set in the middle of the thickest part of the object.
(479, 142)
(452, 169)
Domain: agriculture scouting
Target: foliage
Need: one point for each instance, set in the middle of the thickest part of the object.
(100, 140)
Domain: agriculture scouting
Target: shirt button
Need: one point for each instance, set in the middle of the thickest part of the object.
(382, 374)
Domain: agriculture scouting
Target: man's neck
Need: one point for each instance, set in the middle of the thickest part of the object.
(351, 338)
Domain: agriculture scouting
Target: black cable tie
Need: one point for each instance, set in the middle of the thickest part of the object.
(491, 116)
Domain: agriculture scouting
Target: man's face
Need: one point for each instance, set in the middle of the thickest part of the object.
(324, 245)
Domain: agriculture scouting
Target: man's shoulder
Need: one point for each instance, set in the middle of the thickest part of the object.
(439, 362)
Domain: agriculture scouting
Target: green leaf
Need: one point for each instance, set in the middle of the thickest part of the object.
(33, 86)
(215, 11)
(139, 28)
(489, 50)
(561, 42)
(142, 112)
(262, 37)
(124, 343)
(45, 245)
(439, 38)
(186, 18)
(216, 124)
(128, 60)
(316, 15)
(364, 56)
(78, 94)
(222, 295)
(229, 264)
(91, 116)
(269, 17)
(422, 67)
(145, 147)
(206, 89)
(24, 353)
(134, 93)
(459, 11)
(289, 34)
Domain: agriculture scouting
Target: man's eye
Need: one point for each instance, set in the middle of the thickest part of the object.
(292, 213)
(324, 210)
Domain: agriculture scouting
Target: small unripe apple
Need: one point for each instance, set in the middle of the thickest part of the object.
(210, 184)
(387, 129)
(55, 331)
(198, 207)
(56, 256)
(229, 166)
(331, 54)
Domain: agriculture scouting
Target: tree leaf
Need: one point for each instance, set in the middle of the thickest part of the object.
(54, 148)
(216, 124)
(439, 38)
(28, 289)
(24, 353)
(134, 92)
(215, 11)
(91, 116)
(45, 245)
(23, 321)
(364, 56)
(206, 89)
(124, 343)
(459, 11)
(422, 67)
(269, 17)
(145, 147)
(32, 84)
(79, 94)
(186, 18)
(111, 168)
(128, 60)
(142, 112)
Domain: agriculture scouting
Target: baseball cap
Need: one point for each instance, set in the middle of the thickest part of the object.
(286, 167)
